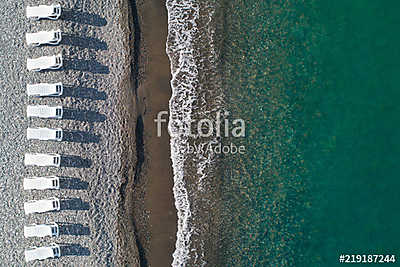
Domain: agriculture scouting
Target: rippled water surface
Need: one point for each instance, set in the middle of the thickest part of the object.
(317, 85)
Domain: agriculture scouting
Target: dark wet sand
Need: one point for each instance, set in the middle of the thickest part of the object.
(156, 90)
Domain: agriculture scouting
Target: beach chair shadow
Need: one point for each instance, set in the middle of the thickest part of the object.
(84, 93)
(49, 70)
(88, 65)
(74, 229)
(80, 137)
(84, 42)
(81, 17)
(74, 204)
(74, 250)
(83, 115)
(75, 162)
(73, 183)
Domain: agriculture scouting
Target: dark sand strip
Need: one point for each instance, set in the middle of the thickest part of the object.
(155, 92)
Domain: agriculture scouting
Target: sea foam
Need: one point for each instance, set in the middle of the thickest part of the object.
(182, 27)
(196, 94)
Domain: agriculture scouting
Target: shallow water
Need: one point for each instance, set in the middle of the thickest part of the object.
(352, 149)
(266, 189)
(316, 85)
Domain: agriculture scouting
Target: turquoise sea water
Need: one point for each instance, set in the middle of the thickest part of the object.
(318, 85)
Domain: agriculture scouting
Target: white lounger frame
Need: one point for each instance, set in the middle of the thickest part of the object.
(44, 134)
(45, 63)
(44, 37)
(41, 230)
(44, 111)
(52, 12)
(42, 253)
(42, 205)
(45, 89)
(42, 183)
(42, 160)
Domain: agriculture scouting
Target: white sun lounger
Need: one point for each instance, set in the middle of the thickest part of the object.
(42, 183)
(42, 253)
(41, 230)
(44, 111)
(43, 12)
(42, 160)
(45, 89)
(43, 37)
(44, 134)
(45, 63)
(41, 206)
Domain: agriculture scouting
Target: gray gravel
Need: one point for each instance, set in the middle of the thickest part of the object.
(92, 152)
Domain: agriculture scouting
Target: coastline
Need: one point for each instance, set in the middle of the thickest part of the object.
(193, 47)
(147, 214)
(155, 91)
(127, 232)
(268, 193)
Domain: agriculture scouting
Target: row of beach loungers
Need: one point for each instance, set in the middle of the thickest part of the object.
(53, 250)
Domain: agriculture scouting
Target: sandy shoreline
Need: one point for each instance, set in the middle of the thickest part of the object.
(99, 153)
(128, 250)
(156, 91)
(149, 203)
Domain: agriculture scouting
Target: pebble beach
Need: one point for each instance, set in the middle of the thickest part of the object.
(96, 63)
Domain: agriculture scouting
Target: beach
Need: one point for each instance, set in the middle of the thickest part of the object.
(314, 86)
(95, 122)
(149, 200)
(156, 91)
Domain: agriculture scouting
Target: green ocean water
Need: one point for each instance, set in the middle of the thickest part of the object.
(317, 83)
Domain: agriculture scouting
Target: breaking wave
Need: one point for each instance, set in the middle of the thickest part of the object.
(181, 30)
(192, 98)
